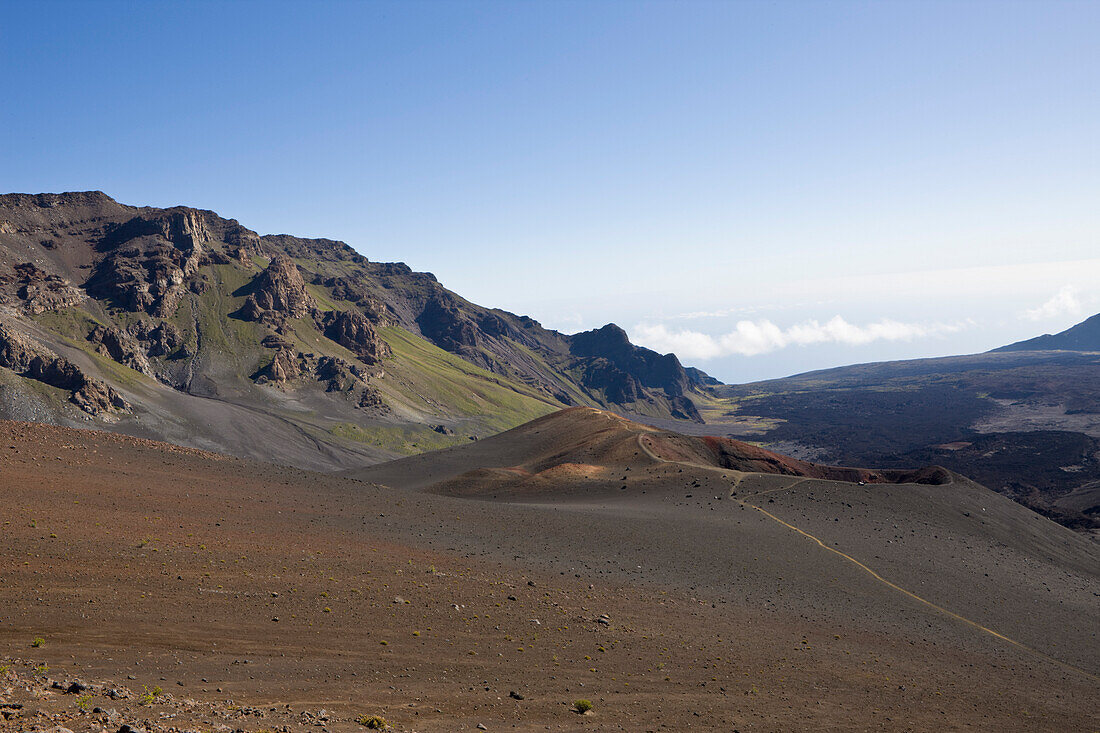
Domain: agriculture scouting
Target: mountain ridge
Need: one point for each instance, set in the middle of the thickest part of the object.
(1084, 336)
(182, 299)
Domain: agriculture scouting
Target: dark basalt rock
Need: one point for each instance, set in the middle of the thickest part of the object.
(39, 291)
(699, 378)
(337, 374)
(354, 332)
(649, 368)
(372, 401)
(277, 293)
(350, 289)
(149, 260)
(271, 341)
(134, 346)
(683, 408)
(342, 376)
(160, 340)
(617, 385)
(445, 325)
(284, 366)
(120, 346)
(34, 361)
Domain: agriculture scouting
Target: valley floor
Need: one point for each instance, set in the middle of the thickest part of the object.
(256, 596)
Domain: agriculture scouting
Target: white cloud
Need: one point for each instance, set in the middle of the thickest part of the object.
(750, 338)
(1065, 302)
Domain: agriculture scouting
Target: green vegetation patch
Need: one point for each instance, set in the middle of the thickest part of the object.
(437, 382)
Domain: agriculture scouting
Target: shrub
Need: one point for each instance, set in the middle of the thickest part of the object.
(38, 641)
(373, 722)
(582, 706)
(149, 696)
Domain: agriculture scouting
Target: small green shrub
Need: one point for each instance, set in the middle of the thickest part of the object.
(149, 696)
(373, 722)
(582, 706)
(82, 702)
(38, 641)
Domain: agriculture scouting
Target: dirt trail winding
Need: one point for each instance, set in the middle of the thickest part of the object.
(929, 604)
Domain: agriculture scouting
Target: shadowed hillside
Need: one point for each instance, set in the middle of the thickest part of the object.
(1085, 336)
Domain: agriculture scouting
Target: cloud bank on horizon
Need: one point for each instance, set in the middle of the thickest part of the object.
(751, 338)
(763, 336)
(1066, 301)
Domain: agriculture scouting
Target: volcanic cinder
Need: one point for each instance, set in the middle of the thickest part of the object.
(675, 582)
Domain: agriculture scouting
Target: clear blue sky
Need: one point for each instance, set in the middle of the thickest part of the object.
(765, 187)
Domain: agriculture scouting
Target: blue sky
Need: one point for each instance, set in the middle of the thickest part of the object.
(764, 187)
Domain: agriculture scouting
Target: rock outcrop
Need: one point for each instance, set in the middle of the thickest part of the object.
(122, 347)
(647, 367)
(160, 339)
(134, 346)
(339, 375)
(149, 261)
(37, 291)
(31, 360)
(277, 293)
(371, 401)
(354, 332)
(352, 290)
(444, 324)
(283, 368)
(626, 374)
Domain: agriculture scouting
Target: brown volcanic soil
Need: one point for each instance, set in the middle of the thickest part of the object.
(582, 446)
(145, 564)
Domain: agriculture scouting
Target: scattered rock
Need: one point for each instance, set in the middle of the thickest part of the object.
(372, 400)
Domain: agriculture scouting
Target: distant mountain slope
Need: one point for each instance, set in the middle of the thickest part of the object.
(1024, 423)
(179, 324)
(1085, 336)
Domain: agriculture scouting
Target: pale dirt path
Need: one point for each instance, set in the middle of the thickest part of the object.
(939, 609)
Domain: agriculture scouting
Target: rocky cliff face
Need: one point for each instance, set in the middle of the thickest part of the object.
(624, 372)
(353, 331)
(645, 367)
(149, 261)
(29, 359)
(336, 374)
(137, 344)
(36, 291)
(278, 293)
